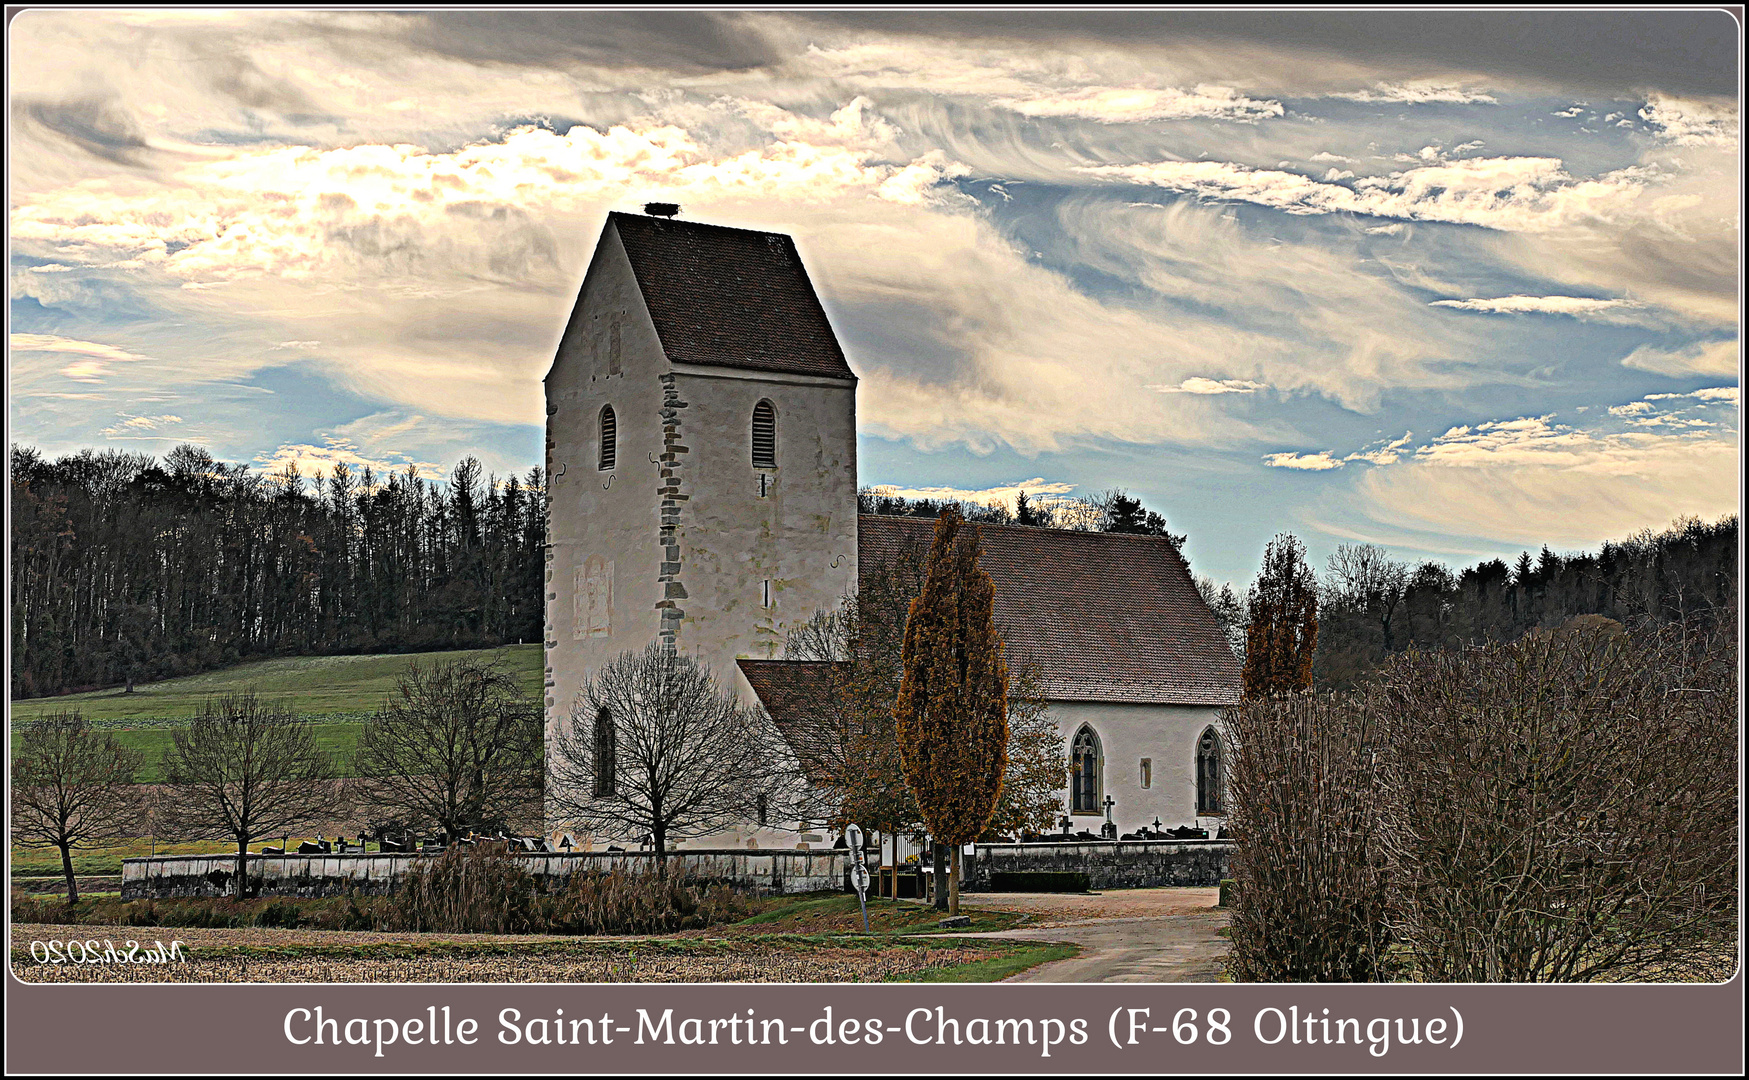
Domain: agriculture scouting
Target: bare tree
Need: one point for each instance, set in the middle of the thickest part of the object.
(71, 785)
(457, 746)
(1308, 902)
(243, 770)
(1564, 809)
(655, 748)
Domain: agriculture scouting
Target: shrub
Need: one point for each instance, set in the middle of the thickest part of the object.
(489, 892)
(1564, 808)
(1560, 809)
(1306, 894)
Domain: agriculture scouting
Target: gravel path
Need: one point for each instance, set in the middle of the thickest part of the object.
(1125, 935)
(1067, 909)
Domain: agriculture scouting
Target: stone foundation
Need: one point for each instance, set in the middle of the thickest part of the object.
(1108, 864)
(166, 876)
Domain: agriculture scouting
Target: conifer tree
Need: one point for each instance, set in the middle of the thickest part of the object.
(952, 712)
(1283, 632)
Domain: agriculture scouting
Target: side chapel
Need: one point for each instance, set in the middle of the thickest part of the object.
(701, 456)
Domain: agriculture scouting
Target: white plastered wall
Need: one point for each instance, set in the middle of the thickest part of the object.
(1165, 734)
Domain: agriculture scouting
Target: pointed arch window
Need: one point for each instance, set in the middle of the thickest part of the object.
(605, 741)
(1208, 774)
(1084, 760)
(609, 439)
(765, 435)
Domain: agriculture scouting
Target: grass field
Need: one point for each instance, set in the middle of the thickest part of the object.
(313, 686)
(105, 860)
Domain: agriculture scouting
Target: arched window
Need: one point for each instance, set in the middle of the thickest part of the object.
(764, 436)
(604, 754)
(609, 438)
(1084, 779)
(1208, 774)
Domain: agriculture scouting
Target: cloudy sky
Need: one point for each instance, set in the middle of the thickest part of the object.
(1455, 284)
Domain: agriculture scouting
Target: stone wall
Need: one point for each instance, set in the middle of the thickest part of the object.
(332, 875)
(1107, 864)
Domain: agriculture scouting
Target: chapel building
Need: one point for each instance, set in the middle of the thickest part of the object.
(701, 462)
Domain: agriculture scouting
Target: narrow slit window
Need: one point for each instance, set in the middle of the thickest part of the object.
(1147, 772)
(765, 593)
(609, 438)
(605, 765)
(764, 436)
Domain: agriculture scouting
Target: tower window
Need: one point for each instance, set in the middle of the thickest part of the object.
(609, 438)
(765, 593)
(764, 436)
(1147, 772)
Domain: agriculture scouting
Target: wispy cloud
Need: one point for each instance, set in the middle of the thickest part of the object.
(1693, 123)
(1120, 105)
(141, 427)
(1535, 480)
(93, 357)
(1321, 461)
(317, 461)
(1415, 94)
(1000, 495)
(1382, 452)
(1513, 194)
(1700, 358)
(1196, 384)
(1575, 306)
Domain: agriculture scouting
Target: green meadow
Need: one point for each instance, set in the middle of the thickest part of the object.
(334, 693)
(311, 686)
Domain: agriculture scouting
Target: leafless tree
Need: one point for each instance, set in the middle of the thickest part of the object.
(655, 748)
(243, 770)
(1308, 903)
(1564, 809)
(458, 746)
(71, 785)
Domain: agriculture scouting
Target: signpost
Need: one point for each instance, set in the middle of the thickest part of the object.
(858, 872)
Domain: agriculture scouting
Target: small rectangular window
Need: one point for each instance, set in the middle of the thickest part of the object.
(1147, 772)
(765, 593)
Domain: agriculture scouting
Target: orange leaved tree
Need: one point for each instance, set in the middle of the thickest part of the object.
(952, 712)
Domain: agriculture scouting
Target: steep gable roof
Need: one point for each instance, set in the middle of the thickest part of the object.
(1106, 616)
(730, 297)
(792, 692)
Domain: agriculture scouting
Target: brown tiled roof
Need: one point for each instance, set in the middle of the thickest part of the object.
(1107, 616)
(791, 691)
(730, 297)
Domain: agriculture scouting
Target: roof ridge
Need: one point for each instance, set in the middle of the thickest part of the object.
(665, 223)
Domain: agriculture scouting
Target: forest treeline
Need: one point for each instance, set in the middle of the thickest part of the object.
(127, 567)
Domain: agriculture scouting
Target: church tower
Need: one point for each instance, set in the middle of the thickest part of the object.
(701, 454)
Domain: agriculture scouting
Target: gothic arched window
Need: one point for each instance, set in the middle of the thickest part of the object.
(604, 754)
(609, 438)
(764, 436)
(1208, 774)
(1084, 778)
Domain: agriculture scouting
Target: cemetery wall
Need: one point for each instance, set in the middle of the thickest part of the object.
(1108, 864)
(373, 874)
